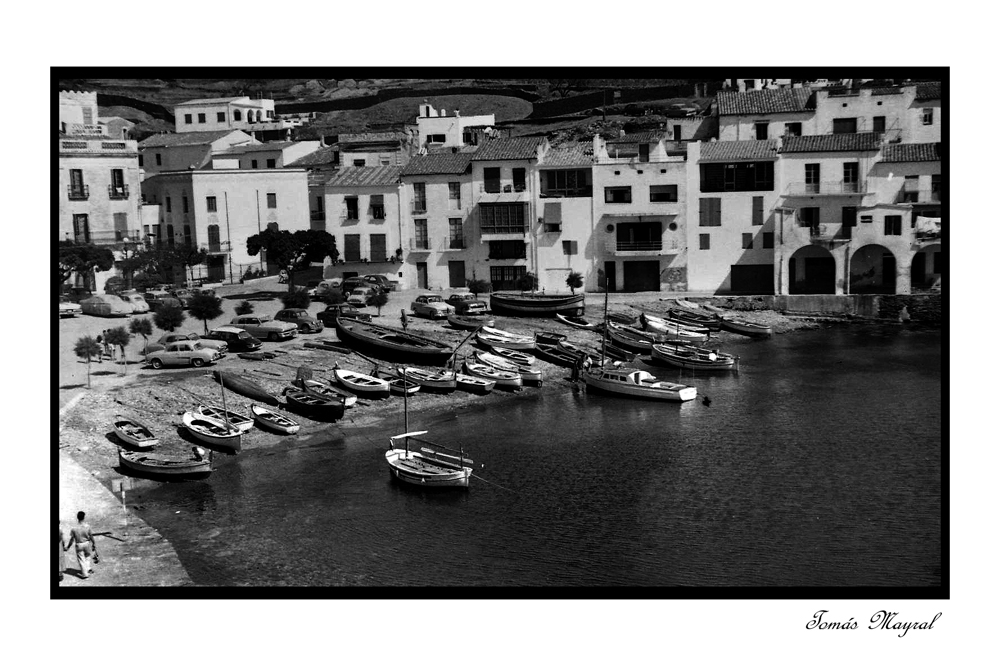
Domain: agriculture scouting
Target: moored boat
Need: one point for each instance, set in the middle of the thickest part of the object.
(197, 467)
(242, 422)
(529, 373)
(514, 356)
(744, 327)
(537, 305)
(440, 381)
(392, 342)
(692, 358)
(633, 383)
(271, 420)
(555, 354)
(326, 390)
(702, 319)
(503, 378)
(673, 329)
(134, 432)
(244, 387)
(213, 432)
(313, 405)
(578, 322)
(429, 467)
(470, 322)
(366, 385)
(631, 339)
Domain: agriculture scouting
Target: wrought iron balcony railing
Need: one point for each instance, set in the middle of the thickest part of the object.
(118, 192)
(79, 193)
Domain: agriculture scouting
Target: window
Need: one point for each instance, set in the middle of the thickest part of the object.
(352, 247)
(506, 277)
(77, 190)
(436, 138)
(120, 222)
(455, 196)
(710, 212)
(384, 161)
(911, 189)
(466, 137)
(737, 177)
(377, 244)
(866, 219)
(809, 217)
(936, 187)
(768, 240)
(272, 200)
(210, 202)
(359, 163)
(704, 241)
(491, 176)
(159, 159)
(812, 178)
(81, 228)
(456, 241)
(170, 235)
(319, 204)
(221, 116)
(184, 203)
(377, 204)
(253, 164)
(188, 118)
(419, 196)
(617, 195)
(878, 124)
(140, 161)
(503, 218)
(893, 225)
(213, 237)
(758, 211)
(187, 234)
(420, 234)
(760, 131)
(928, 116)
(851, 183)
(351, 203)
(662, 193)
(168, 205)
(237, 115)
(271, 164)
(569, 247)
(747, 241)
(508, 249)
(519, 179)
(566, 183)
(845, 125)
(848, 220)
(793, 129)
(201, 117)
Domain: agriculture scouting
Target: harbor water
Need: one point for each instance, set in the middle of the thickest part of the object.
(817, 464)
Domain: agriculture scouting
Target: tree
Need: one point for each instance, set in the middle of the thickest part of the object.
(574, 281)
(142, 327)
(479, 286)
(87, 347)
(159, 262)
(527, 282)
(204, 307)
(244, 308)
(119, 337)
(292, 251)
(333, 296)
(381, 298)
(296, 299)
(83, 258)
(169, 317)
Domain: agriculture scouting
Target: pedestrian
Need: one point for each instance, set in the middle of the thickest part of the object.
(904, 316)
(100, 348)
(402, 318)
(86, 547)
(62, 550)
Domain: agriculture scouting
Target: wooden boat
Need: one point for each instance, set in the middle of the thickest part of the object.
(578, 322)
(744, 327)
(242, 422)
(693, 359)
(244, 387)
(474, 384)
(198, 466)
(440, 381)
(257, 355)
(393, 342)
(134, 432)
(314, 406)
(528, 373)
(555, 354)
(536, 305)
(429, 467)
(631, 338)
(703, 320)
(514, 356)
(673, 330)
(365, 385)
(621, 318)
(213, 432)
(504, 378)
(550, 337)
(633, 383)
(328, 346)
(470, 322)
(271, 420)
(582, 350)
(397, 385)
(494, 337)
(325, 390)
(616, 353)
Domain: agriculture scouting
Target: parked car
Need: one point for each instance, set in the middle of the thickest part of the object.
(301, 318)
(265, 328)
(68, 308)
(184, 296)
(209, 292)
(139, 304)
(236, 339)
(466, 303)
(341, 310)
(352, 283)
(158, 298)
(76, 294)
(168, 338)
(106, 305)
(183, 352)
(324, 287)
(362, 296)
(431, 305)
(380, 281)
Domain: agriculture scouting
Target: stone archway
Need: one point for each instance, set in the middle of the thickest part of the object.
(812, 270)
(873, 270)
(925, 271)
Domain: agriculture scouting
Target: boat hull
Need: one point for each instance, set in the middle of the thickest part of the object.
(416, 470)
(237, 420)
(314, 406)
(510, 381)
(435, 382)
(158, 467)
(577, 322)
(556, 355)
(692, 360)
(244, 387)
(269, 420)
(744, 327)
(364, 385)
(537, 305)
(392, 343)
(213, 433)
(134, 433)
(638, 392)
(469, 323)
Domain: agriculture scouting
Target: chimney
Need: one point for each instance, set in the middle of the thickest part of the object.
(457, 114)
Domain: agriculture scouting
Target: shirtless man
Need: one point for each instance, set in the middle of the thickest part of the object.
(85, 544)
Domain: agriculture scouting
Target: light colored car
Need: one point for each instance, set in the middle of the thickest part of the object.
(301, 318)
(168, 338)
(431, 305)
(139, 304)
(68, 308)
(361, 296)
(183, 352)
(235, 338)
(265, 328)
(466, 303)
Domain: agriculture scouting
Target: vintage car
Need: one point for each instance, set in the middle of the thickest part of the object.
(106, 305)
(362, 296)
(236, 339)
(466, 303)
(183, 352)
(168, 338)
(341, 310)
(380, 281)
(157, 298)
(432, 306)
(264, 327)
(184, 296)
(301, 318)
(324, 287)
(139, 304)
(68, 308)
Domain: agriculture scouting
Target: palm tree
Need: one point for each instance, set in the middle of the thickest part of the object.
(574, 281)
(86, 347)
(142, 327)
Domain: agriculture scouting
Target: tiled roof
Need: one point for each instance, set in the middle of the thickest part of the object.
(321, 157)
(216, 100)
(371, 137)
(927, 91)
(185, 138)
(259, 147)
(638, 137)
(886, 91)
(755, 102)
(521, 148)
(912, 152)
(436, 163)
(318, 178)
(831, 143)
(577, 153)
(365, 176)
(731, 151)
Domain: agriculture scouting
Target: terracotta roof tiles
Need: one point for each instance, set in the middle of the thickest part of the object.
(379, 176)
(438, 163)
(912, 152)
(735, 151)
(831, 143)
(520, 148)
(186, 138)
(759, 102)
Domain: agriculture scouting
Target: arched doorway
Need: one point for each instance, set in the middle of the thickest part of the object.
(873, 270)
(812, 270)
(925, 271)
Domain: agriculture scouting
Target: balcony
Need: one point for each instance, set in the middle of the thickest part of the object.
(317, 215)
(419, 207)
(420, 245)
(642, 248)
(119, 192)
(217, 247)
(506, 193)
(113, 239)
(502, 232)
(91, 146)
(79, 193)
(448, 244)
(567, 193)
(919, 196)
(826, 188)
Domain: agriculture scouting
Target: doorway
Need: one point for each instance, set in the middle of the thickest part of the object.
(422, 275)
(456, 274)
(609, 277)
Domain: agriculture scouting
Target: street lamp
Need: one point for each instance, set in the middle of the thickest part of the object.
(126, 242)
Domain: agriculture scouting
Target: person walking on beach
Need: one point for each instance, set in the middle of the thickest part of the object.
(100, 348)
(62, 550)
(86, 547)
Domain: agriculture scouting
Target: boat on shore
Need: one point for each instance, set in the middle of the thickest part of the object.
(134, 432)
(328, 345)
(703, 319)
(634, 383)
(536, 305)
(556, 354)
(213, 432)
(397, 385)
(632, 339)
(514, 356)
(529, 373)
(494, 337)
(690, 358)
(199, 466)
(271, 420)
(325, 390)
(257, 355)
(505, 379)
(473, 384)
(578, 322)
(244, 387)
(470, 322)
(744, 327)
(240, 421)
(392, 342)
(671, 329)
(313, 405)
(439, 381)
(366, 385)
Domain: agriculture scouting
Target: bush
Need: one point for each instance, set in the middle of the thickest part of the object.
(169, 317)
(296, 299)
(142, 327)
(205, 307)
(381, 298)
(479, 286)
(244, 308)
(527, 282)
(333, 297)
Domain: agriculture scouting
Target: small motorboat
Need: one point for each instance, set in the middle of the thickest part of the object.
(397, 385)
(442, 381)
(633, 383)
(365, 385)
(241, 421)
(470, 322)
(198, 466)
(578, 322)
(529, 373)
(503, 378)
(213, 432)
(134, 432)
(744, 327)
(315, 406)
(271, 420)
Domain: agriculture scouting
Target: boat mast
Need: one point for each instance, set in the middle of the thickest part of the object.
(454, 355)
(225, 410)
(406, 426)
(604, 338)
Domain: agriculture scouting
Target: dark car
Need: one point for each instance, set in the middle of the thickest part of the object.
(184, 296)
(466, 304)
(341, 310)
(352, 283)
(380, 281)
(75, 294)
(157, 299)
(236, 338)
(301, 318)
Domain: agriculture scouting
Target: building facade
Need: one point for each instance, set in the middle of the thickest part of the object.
(189, 150)
(273, 155)
(436, 129)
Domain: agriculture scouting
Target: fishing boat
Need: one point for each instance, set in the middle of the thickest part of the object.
(271, 420)
(582, 350)
(633, 383)
(494, 337)
(257, 355)
(244, 387)
(694, 359)
(215, 433)
(514, 356)
(744, 327)
(550, 337)
(397, 385)
(578, 322)
(504, 378)
(134, 432)
(474, 384)
(529, 373)
(616, 353)
(197, 467)
(328, 346)
(392, 342)
(621, 318)
(536, 305)
(470, 322)
(439, 381)
(672, 329)
(632, 339)
(691, 318)
(314, 406)
(555, 354)
(325, 390)
(240, 421)
(365, 385)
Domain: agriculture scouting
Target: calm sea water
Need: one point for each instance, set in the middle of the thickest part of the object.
(817, 464)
